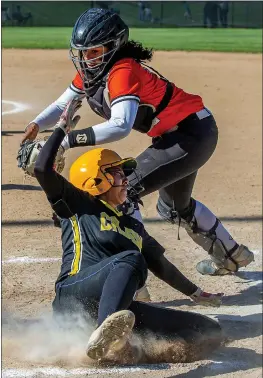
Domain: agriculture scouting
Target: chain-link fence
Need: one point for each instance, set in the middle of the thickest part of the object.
(242, 14)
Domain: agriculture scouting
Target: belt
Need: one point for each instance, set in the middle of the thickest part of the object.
(204, 113)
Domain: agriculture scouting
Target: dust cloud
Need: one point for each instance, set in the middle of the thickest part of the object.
(60, 341)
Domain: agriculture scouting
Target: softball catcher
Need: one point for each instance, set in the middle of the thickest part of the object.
(113, 76)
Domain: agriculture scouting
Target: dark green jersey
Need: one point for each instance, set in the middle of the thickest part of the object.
(91, 229)
(95, 231)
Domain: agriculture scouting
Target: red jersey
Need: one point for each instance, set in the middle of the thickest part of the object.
(128, 78)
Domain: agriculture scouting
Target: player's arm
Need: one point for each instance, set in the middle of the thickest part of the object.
(50, 116)
(119, 126)
(167, 272)
(163, 268)
(59, 191)
(124, 89)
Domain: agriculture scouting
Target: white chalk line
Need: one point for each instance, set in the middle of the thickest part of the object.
(257, 251)
(29, 260)
(17, 107)
(59, 372)
(222, 366)
(32, 260)
(234, 313)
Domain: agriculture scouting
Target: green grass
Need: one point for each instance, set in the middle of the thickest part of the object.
(225, 40)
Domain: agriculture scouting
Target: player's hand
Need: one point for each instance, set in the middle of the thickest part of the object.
(30, 132)
(207, 299)
(66, 121)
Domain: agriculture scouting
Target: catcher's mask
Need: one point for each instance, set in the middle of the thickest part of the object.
(90, 171)
(96, 28)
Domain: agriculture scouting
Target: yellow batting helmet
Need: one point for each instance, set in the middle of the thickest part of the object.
(89, 171)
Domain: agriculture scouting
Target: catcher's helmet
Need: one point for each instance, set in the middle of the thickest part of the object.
(97, 27)
(90, 171)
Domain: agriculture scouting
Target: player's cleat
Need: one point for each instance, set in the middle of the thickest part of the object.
(241, 257)
(111, 334)
(142, 295)
(207, 299)
(208, 267)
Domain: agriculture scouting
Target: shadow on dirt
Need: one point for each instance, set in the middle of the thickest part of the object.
(248, 218)
(224, 362)
(32, 223)
(251, 295)
(12, 132)
(238, 327)
(20, 187)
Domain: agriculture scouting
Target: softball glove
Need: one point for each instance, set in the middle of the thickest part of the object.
(28, 153)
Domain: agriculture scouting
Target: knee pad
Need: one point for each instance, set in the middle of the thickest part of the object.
(173, 216)
(166, 212)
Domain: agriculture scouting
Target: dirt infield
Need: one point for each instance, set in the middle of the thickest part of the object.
(230, 184)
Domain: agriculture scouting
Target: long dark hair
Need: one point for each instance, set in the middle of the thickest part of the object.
(135, 50)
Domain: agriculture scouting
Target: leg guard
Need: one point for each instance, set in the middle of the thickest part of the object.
(231, 260)
(224, 260)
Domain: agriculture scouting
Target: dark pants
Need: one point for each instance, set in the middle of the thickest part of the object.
(223, 17)
(171, 163)
(106, 287)
(168, 322)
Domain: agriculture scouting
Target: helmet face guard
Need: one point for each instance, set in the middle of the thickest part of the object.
(96, 28)
(85, 67)
(128, 166)
(90, 172)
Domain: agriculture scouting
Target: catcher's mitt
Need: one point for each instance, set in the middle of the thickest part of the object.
(28, 153)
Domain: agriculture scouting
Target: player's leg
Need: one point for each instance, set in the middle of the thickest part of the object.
(112, 284)
(178, 332)
(204, 228)
(115, 322)
(170, 166)
(175, 155)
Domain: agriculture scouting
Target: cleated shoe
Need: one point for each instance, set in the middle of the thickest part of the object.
(111, 334)
(208, 267)
(240, 258)
(207, 299)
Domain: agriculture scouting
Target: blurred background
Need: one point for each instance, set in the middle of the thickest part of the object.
(203, 14)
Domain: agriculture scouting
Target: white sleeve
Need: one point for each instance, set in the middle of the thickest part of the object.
(49, 117)
(123, 115)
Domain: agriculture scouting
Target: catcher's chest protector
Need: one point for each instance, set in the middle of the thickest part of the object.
(100, 101)
(100, 104)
